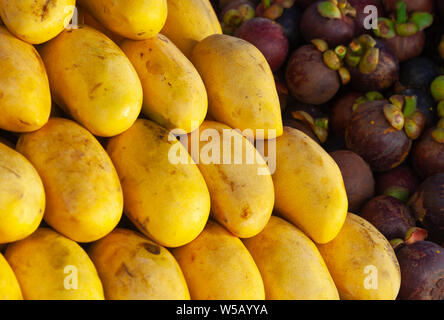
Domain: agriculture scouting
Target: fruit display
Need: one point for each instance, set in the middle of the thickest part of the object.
(222, 150)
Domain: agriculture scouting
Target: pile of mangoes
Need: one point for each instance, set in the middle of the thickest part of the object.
(118, 175)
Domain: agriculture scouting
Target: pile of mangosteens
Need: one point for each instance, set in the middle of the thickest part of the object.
(365, 79)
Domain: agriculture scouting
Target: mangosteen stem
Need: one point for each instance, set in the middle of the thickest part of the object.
(266, 3)
(395, 243)
(400, 193)
(409, 105)
(394, 116)
(329, 10)
(385, 29)
(320, 44)
(438, 135)
(401, 12)
(422, 20)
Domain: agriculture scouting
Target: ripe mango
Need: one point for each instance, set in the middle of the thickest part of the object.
(168, 202)
(309, 188)
(173, 91)
(362, 262)
(92, 80)
(135, 19)
(240, 85)
(84, 197)
(36, 21)
(290, 264)
(217, 266)
(242, 193)
(134, 268)
(9, 286)
(22, 197)
(49, 266)
(25, 99)
(189, 22)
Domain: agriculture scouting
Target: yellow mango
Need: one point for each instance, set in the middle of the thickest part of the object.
(217, 266)
(135, 19)
(9, 286)
(25, 99)
(290, 264)
(89, 20)
(242, 194)
(134, 268)
(362, 262)
(173, 91)
(92, 80)
(36, 21)
(49, 266)
(22, 197)
(189, 22)
(309, 188)
(241, 89)
(167, 202)
(83, 193)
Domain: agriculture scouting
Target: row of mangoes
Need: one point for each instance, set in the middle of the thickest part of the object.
(68, 174)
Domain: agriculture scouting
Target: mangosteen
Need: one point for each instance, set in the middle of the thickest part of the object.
(268, 37)
(404, 34)
(372, 66)
(329, 21)
(309, 79)
(422, 271)
(428, 206)
(390, 6)
(428, 154)
(418, 73)
(342, 109)
(370, 134)
(358, 178)
(360, 6)
(392, 218)
(290, 21)
(234, 13)
(400, 182)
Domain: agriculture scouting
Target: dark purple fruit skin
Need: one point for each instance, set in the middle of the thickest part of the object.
(334, 31)
(406, 48)
(360, 5)
(441, 8)
(389, 215)
(412, 5)
(268, 37)
(308, 78)
(422, 271)
(304, 3)
(382, 78)
(428, 206)
(341, 112)
(418, 73)
(427, 155)
(358, 178)
(371, 136)
(290, 21)
(401, 177)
